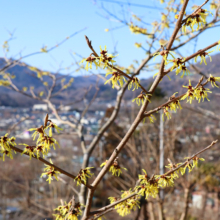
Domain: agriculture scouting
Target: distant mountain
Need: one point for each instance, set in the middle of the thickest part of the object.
(24, 77)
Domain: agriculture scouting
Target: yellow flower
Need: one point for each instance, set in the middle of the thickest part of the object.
(124, 208)
(38, 131)
(189, 23)
(44, 49)
(72, 215)
(213, 79)
(5, 144)
(148, 189)
(179, 65)
(115, 169)
(162, 42)
(202, 93)
(112, 199)
(141, 98)
(83, 175)
(24, 89)
(173, 106)
(195, 161)
(165, 24)
(164, 54)
(199, 18)
(50, 172)
(188, 165)
(63, 209)
(51, 126)
(89, 61)
(176, 16)
(136, 17)
(137, 30)
(59, 216)
(218, 46)
(163, 17)
(8, 153)
(166, 113)
(117, 79)
(152, 118)
(29, 150)
(48, 142)
(203, 55)
(138, 45)
(164, 181)
(144, 178)
(135, 82)
(213, 5)
(184, 69)
(68, 211)
(174, 174)
(40, 149)
(106, 58)
(191, 94)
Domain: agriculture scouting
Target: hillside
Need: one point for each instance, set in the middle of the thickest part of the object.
(24, 77)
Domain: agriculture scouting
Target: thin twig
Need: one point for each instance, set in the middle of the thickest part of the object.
(166, 174)
(50, 164)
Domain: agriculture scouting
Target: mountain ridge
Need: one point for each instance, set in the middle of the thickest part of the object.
(24, 78)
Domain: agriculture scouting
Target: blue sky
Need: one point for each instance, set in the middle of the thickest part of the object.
(39, 23)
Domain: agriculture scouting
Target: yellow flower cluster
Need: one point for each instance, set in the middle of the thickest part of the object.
(179, 65)
(104, 60)
(195, 93)
(44, 141)
(137, 30)
(150, 186)
(115, 169)
(50, 172)
(5, 83)
(174, 174)
(5, 147)
(198, 18)
(147, 186)
(68, 211)
(39, 72)
(173, 106)
(83, 175)
(124, 208)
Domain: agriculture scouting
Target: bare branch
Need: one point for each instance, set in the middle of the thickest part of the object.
(50, 164)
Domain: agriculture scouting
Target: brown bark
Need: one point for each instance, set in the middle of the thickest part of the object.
(160, 210)
(204, 198)
(151, 211)
(186, 204)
